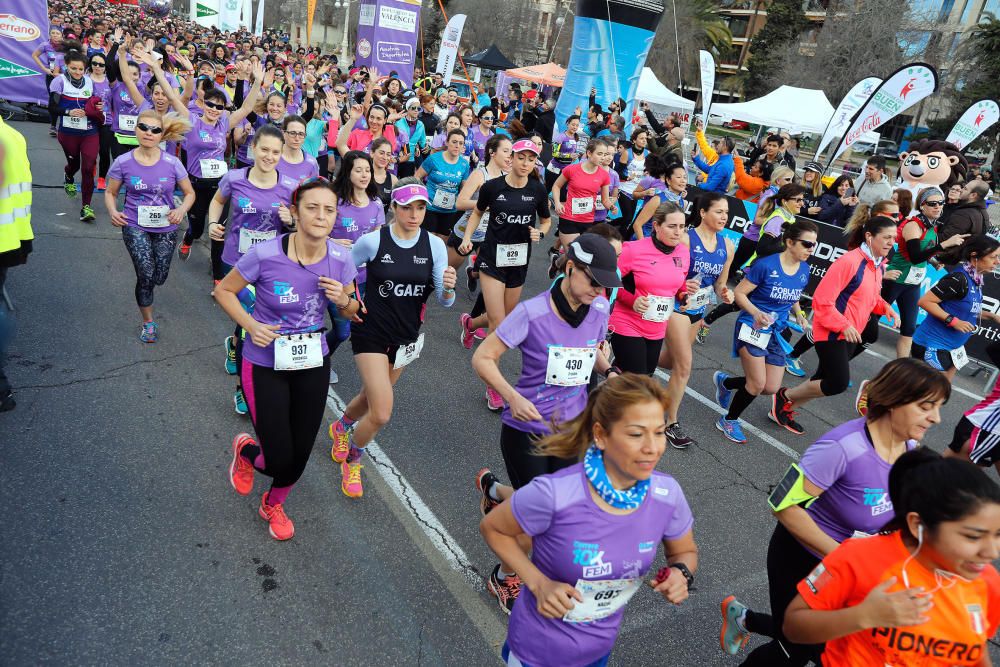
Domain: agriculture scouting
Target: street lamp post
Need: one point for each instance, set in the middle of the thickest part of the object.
(346, 5)
(560, 22)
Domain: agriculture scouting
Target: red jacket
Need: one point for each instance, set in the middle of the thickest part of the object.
(848, 295)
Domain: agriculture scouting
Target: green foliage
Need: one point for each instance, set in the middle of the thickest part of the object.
(700, 27)
(785, 23)
(975, 80)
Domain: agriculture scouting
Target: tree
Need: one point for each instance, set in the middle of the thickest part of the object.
(785, 23)
(432, 25)
(701, 27)
(508, 24)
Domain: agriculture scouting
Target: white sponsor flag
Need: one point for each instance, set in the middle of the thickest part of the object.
(448, 53)
(977, 119)
(258, 28)
(900, 91)
(246, 19)
(841, 118)
(707, 83)
(229, 14)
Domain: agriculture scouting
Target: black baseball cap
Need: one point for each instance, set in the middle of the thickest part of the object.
(595, 253)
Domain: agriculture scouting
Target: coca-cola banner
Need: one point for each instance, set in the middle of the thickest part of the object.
(977, 119)
(841, 118)
(898, 92)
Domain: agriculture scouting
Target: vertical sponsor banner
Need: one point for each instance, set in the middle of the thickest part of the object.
(206, 12)
(977, 119)
(246, 16)
(394, 47)
(258, 27)
(366, 34)
(610, 44)
(707, 63)
(310, 12)
(193, 13)
(897, 93)
(229, 14)
(448, 51)
(841, 118)
(24, 27)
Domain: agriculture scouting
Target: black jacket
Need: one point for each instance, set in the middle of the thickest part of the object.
(966, 218)
(545, 122)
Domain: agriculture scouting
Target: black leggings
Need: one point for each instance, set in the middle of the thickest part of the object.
(868, 336)
(788, 563)
(151, 254)
(744, 251)
(107, 137)
(905, 297)
(286, 408)
(52, 106)
(636, 355)
(522, 464)
(204, 191)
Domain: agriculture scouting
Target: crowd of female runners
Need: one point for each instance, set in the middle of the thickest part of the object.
(583, 425)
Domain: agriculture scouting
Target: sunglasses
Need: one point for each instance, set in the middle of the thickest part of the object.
(808, 245)
(486, 118)
(98, 64)
(340, 92)
(152, 129)
(936, 202)
(213, 105)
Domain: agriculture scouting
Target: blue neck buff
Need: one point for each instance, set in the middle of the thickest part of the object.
(630, 499)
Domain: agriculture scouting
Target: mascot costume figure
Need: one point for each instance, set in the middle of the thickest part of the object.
(931, 162)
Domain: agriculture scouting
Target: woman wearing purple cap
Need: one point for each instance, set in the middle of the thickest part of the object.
(838, 490)
(404, 264)
(514, 202)
(560, 334)
(595, 529)
(285, 358)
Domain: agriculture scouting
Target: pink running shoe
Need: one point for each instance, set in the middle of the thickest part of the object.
(467, 333)
(350, 482)
(494, 401)
(240, 471)
(279, 525)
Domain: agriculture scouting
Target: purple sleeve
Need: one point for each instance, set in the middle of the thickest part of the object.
(116, 169)
(534, 505)
(380, 216)
(773, 226)
(514, 328)
(824, 463)
(225, 187)
(180, 173)
(249, 265)
(57, 85)
(348, 272)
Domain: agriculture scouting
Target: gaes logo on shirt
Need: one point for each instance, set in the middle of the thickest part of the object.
(591, 557)
(285, 292)
(245, 205)
(136, 183)
(390, 287)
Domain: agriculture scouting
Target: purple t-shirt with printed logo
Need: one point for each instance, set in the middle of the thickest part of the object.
(121, 105)
(147, 186)
(601, 213)
(205, 142)
(854, 479)
(251, 208)
(532, 327)
(288, 294)
(308, 168)
(353, 222)
(572, 539)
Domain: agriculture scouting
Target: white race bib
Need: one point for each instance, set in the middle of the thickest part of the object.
(444, 199)
(250, 238)
(153, 216)
(660, 308)
(915, 275)
(553, 168)
(601, 599)
(298, 352)
(213, 168)
(700, 299)
(126, 122)
(754, 337)
(407, 354)
(598, 204)
(512, 254)
(569, 366)
(581, 205)
(959, 357)
(74, 122)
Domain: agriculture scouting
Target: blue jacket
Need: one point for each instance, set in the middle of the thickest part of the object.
(419, 137)
(720, 174)
(833, 210)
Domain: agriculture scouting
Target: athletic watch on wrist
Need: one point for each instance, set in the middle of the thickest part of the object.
(948, 320)
(683, 569)
(612, 369)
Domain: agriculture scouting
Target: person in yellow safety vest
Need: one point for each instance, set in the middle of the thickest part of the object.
(15, 234)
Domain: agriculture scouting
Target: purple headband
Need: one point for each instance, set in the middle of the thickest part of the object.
(409, 194)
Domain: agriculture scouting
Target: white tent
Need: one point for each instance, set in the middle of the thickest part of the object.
(794, 109)
(651, 90)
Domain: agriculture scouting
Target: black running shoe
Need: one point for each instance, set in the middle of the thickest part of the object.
(471, 280)
(505, 591)
(782, 414)
(677, 438)
(484, 482)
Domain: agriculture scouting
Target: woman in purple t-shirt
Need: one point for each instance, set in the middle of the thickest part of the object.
(149, 219)
(296, 163)
(839, 490)
(285, 357)
(595, 528)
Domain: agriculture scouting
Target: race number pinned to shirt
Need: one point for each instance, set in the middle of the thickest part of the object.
(74, 122)
(126, 122)
(915, 275)
(754, 337)
(298, 352)
(250, 238)
(660, 308)
(554, 168)
(512, 254)
(601, 598)
(153, 216)
(959, 357)
(212, 168)
(581, 205)
(569, 366)
(444, 199)
(700, 299)
(408, 353)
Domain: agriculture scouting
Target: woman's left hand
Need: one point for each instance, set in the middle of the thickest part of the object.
(334, 291)
(449, 278)
(674, 588)
(536, 234)
(175, 216)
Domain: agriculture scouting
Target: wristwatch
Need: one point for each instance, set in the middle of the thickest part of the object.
(612, 369)
(686, 572)
(948, 320)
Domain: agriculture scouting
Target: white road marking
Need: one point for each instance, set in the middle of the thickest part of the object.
(712, 405)
(963, 392)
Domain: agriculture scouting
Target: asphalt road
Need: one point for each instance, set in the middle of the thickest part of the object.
(126, 544)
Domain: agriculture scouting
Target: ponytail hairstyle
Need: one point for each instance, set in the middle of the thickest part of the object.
(665, 209)
(594, 144)
(787, 191)
(656, 167)
(905, 200)
(517, 130)
(174, 127)
(862, 213)
(937, 489)
(73, 56)
(793, 231)
(978, 246)
(901, 382)
(873, 226)
(492, 145)
(606, 406)
(376, 144)
(704, 203)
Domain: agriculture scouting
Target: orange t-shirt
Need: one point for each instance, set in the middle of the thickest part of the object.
(963, 617)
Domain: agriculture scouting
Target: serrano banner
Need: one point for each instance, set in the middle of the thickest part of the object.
(366, 34)
(900, 91)
(230, 12)
(24, 27)
(610, 44)
(448, 52)
(977, 119)
(841, 118)
(707, 63)
(397, 24)
(205, 12)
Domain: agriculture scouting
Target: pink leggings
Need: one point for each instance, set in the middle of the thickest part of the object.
(81, 151)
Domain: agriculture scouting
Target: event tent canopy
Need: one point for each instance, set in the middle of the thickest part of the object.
(794, 109)
(651, 90)
(491, 58)
(549, 74)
